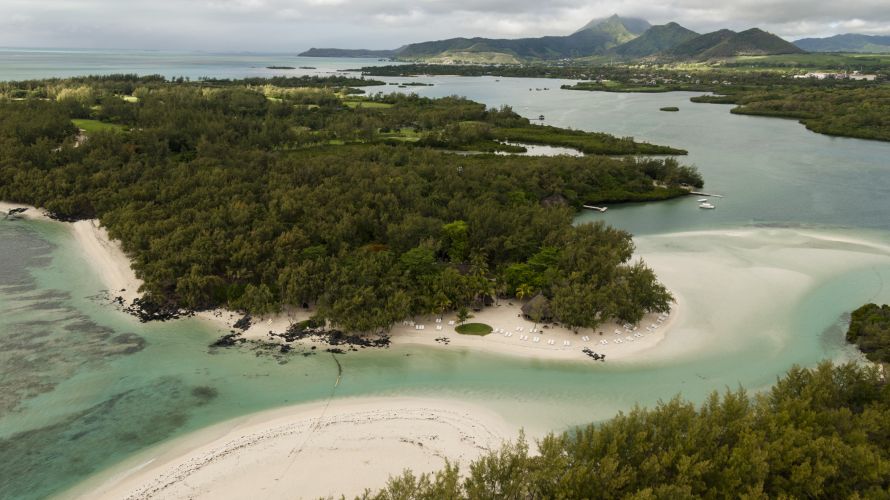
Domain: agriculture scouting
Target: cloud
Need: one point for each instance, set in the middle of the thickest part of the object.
(291, 25)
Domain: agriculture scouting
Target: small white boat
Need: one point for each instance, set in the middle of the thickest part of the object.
(706, 205)
(702, 200)
(598, 209)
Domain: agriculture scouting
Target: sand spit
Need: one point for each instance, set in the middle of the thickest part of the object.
(307, 451)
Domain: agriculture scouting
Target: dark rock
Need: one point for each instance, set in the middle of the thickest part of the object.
(244, 323)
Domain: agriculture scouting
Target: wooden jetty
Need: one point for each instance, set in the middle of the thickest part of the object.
(598, 209)
(700, 193)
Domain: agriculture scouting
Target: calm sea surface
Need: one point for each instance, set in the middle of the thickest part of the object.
(83, 386)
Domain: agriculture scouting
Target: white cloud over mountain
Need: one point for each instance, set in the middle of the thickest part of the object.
(291, 25)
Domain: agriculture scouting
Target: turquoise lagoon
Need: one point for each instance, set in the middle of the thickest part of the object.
(801, 237)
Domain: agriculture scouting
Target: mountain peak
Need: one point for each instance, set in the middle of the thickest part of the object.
(632, 25)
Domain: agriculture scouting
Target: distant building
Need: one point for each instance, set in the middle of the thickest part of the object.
(838, 76)
(859, 76)
(817, 76)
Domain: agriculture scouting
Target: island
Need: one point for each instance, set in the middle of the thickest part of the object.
(273, 195)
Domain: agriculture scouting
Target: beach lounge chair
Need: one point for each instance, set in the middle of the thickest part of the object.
(638, 335)
(536, 339)
(618, 341)
(451, 323)
(438, 327)
(604, 342)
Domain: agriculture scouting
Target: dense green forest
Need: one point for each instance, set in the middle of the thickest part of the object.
(819, 433)
(254, 196)
(842, 110)
(870, 330)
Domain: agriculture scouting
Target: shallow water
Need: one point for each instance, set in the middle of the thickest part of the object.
(27, 64)
(84, 386)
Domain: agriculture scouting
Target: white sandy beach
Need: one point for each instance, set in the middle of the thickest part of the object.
(613, 340)
(307, 451)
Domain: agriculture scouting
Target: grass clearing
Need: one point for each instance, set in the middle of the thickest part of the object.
(405, 134)
(96, 126)
(480, 329)
(367, 104)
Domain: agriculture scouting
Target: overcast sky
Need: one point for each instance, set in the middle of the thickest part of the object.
(293, 25)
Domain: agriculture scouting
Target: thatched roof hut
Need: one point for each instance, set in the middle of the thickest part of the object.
(555, 200)
(537, 309)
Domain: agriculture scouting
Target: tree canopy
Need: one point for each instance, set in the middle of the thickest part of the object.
(253, 195)
(870, 331)
(818, 433)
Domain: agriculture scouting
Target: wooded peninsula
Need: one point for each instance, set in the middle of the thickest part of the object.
(758, 86)
(258, 194)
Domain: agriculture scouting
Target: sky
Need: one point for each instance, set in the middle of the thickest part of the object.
(295, 25)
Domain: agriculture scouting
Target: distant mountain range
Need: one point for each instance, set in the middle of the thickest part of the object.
(627, 38)
(849, 42)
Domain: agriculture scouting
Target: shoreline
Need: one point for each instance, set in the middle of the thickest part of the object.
(611, 339)
(792, 268)
(303, 451)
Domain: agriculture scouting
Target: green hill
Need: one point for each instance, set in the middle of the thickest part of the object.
(752, 42)
(654, 40)
(727, 43)
(694, 47)
(849, 42)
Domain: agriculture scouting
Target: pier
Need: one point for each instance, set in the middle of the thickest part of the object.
(598, 209)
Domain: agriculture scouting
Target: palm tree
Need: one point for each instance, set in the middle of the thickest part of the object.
(524, 290)
(500, 288)
(462, 315)
(443, 303)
